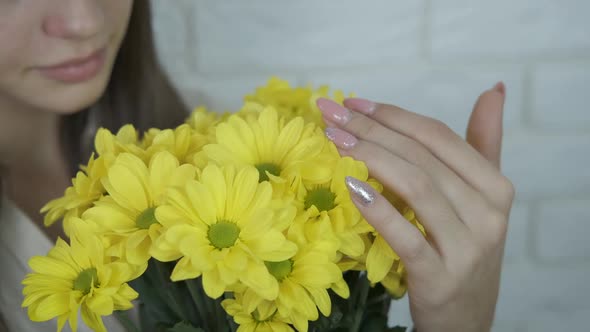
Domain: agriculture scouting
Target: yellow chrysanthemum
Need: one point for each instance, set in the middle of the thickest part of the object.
(381, 257)
(293, 102)
(328, 209)
(222, 228)
(204, 121)
(304, 281)
(264, 319)
(126, 140)
(135, 190)
(278, 149)
(183, 142)
(384, 265)
(78, 277)
(85, 190)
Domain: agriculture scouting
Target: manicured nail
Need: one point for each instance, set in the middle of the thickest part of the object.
(341, 138)
(500, 87)
(362, 191)
(333, 111)
(361, 105)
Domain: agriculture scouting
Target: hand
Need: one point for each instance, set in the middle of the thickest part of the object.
(457, 191)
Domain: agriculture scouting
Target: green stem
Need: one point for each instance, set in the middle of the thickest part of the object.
(233, 327)
(168, 291)
(362, 301)
(221, 316)
(197, 296)
(124, 319)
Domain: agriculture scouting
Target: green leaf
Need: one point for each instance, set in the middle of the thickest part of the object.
(375, 323)
(185, 327)
(397, 329)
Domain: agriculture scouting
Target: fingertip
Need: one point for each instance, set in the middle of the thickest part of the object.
(361, 191)
(500, 87)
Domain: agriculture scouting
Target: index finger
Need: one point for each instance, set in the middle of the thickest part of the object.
(443, 143)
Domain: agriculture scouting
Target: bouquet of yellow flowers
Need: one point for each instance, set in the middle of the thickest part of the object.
(230, 222)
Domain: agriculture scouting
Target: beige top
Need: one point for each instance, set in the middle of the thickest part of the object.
(19, 240)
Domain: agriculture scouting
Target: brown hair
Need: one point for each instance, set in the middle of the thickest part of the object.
(138, 92)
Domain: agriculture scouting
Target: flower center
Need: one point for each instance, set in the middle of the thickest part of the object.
(223, 234)
(146, 218)
(280, 270)
(322, 198)
(86, 280)
(270, 167)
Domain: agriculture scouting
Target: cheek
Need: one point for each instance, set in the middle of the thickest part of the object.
(18, 32)
(118, 13)
(16, 37)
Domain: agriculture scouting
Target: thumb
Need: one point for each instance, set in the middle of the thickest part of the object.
(484, 131)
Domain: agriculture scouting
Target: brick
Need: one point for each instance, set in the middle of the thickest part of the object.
(551, 321)
(526, 290)
(447, 94)
(562, 231)
(246, 36)
(519, 234)
(547, 166)
(500, 326)
(506, 28)
(171, 27)
(561, 97)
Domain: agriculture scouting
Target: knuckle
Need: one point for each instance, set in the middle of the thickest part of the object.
(418, 187)
(444, 296)
(506, 187)
(415, 248)
(364, 127)
(473, 256)
(498, 228)
(438, 129)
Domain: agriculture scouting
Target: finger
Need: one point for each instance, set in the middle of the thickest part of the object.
(484, 131)
(403, 237)
(410, 183)
(459, 193)
(443, 143)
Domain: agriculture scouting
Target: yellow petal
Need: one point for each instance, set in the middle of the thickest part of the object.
(288, 138)
(93, 320)
(379, 260)
(126, 189)
(322, 299)
(239, 197)
(52, 267)
(50, 307)
(100, 304)
(260, 281)
(162, 166)
(184, 270)
(212, 284)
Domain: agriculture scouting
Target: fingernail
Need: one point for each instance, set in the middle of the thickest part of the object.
(500, 87)
(361, 105)
(341, 138)
(333, 111)
(362, 191)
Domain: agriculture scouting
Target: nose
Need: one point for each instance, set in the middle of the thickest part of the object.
(74, 19)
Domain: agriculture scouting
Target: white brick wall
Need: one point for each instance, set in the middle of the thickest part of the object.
(434, 57)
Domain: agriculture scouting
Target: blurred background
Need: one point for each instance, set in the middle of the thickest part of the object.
(432, 57)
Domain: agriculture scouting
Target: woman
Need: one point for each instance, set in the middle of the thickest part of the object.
(68, 67)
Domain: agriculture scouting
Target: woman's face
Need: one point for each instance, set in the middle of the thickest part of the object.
(57, 55)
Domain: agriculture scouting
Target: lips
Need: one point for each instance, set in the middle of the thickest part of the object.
(76, 70)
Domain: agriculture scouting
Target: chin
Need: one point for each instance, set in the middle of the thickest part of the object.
(72, 98)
